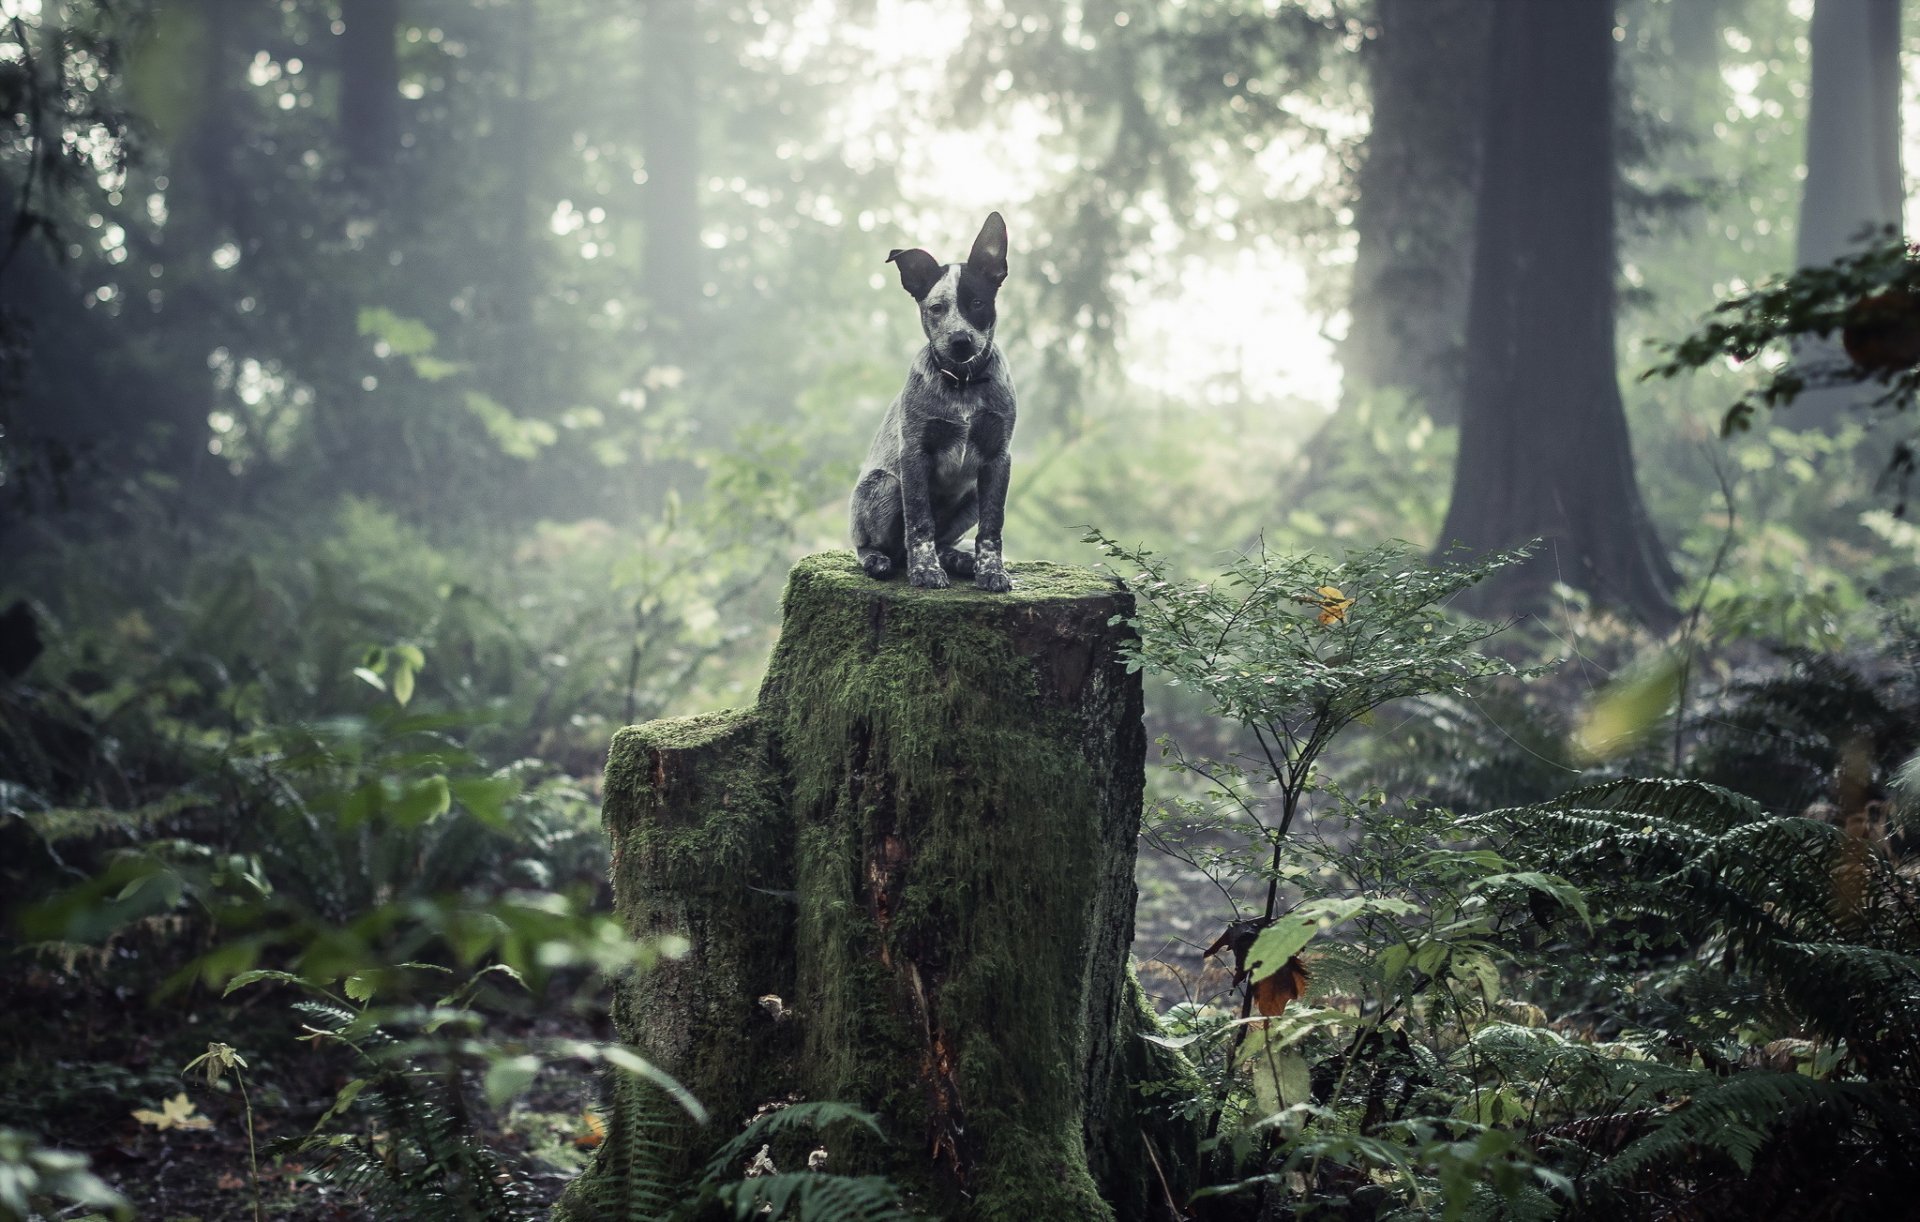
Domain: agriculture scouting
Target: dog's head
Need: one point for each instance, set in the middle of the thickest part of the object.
(956, 299)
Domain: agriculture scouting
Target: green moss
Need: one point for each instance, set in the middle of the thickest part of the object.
(702, 849)
(1144, 1131)
(949, 781)
(1036, 581)
(929, 724)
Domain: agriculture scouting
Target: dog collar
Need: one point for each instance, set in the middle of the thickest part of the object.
(955, 378)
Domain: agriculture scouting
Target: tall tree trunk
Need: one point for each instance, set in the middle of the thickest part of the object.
(1414, 212)
(670, 57)
(370, 87)
(517, 361)
(1543, 434)
(1853, 187)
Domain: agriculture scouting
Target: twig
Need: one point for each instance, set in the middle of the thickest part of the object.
(1699, 604)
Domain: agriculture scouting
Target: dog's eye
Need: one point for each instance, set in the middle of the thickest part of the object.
(979, 304)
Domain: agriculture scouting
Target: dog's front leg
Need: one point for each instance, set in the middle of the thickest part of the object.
(989, 569)
(916, 504)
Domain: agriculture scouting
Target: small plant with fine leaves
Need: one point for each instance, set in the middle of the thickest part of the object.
(1294, 649)
(1376, 1088)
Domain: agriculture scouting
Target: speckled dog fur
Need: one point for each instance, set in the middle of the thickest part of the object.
(939, 464)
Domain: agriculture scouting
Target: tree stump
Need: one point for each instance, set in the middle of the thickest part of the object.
(921, 842)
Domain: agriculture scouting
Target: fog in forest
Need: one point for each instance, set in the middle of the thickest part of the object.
(399, 397)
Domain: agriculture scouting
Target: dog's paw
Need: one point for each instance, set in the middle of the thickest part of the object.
(930, 577)
(993, 580)
(957, 563)
(877, 566)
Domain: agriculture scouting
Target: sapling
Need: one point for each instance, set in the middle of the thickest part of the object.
(1296, 648)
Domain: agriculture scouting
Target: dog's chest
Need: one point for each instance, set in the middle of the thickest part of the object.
(966, 432)
(956, 453)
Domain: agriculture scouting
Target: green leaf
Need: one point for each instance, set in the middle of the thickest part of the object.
(628, 1061)
(258, 974)
(1169, 1041)
(361, 986)
(1628, 709)
(1393, 960)
(370, 678)
(342, 1100)
(1279, 1076)
(421, 801)
(434, 369)
(404, 336)
(1559, 888)
(403, 683)
(1478, 970)
(509, 1076)
(1278, 943)
(486, 798)
(1345, 908)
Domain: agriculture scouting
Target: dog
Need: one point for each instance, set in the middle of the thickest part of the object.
(939, 464)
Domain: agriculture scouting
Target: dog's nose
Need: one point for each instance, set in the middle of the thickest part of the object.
(961, 345)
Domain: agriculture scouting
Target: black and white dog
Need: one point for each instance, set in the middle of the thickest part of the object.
(939, 463)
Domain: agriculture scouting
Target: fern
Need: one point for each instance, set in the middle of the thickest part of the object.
(1782, 738)
(1787, 923)
(1713, 865)
(804, 1196)
(783, 1122)
(633, 1176)
(807, 1196)
(427, 1163)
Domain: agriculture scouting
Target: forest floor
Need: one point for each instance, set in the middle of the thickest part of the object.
(79, 1055)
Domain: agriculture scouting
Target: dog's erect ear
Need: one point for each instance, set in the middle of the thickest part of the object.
(989, 257)
(919, 271)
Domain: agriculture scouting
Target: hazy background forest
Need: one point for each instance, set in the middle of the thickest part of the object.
(398, 396)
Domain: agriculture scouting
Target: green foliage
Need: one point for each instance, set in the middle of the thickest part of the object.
(1824, 728)
(1294, 649)
(799, 1195)
(1812, 303)
(34, 1178)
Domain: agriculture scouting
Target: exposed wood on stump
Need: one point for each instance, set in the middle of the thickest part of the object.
(922, 841)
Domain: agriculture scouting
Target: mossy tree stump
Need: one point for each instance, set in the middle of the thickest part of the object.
(921, 840)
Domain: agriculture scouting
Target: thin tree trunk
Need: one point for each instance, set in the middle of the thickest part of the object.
(370, 86)
(1544, 449)
(670, 57)
(1415, 206)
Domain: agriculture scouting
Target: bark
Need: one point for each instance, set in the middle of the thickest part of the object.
(518, 361)
(922, 841)
(1853, 188)
(370, 86)
(1853, 128)
(670, 55)
(1415, 206)
(1544, 450)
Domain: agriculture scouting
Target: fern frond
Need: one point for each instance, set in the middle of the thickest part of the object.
(725, 1162)
(806, 1196)
(1735, 1116)
(634, 1176)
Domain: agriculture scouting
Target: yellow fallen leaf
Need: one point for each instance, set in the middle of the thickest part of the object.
(176, 1113)
(596, 1131)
